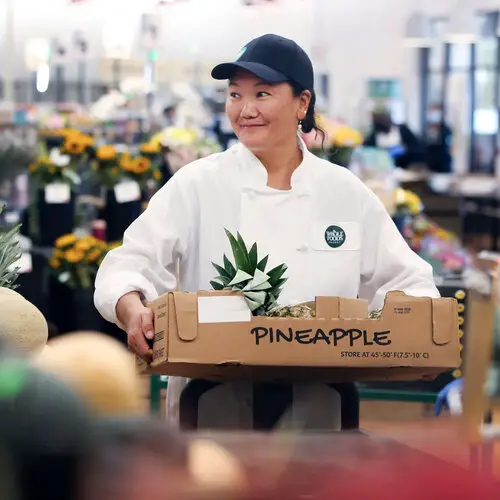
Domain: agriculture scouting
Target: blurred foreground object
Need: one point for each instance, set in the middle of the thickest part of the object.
(99, 369)
(44, 432)
(22, 326)
(350, 466)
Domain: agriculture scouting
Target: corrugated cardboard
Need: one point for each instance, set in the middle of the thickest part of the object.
(413, 337)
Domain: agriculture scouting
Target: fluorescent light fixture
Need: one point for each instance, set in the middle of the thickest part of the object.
(463, 26)
(418, 31)
(43, 78)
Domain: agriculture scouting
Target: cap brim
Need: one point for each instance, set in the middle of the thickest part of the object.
(226, 70)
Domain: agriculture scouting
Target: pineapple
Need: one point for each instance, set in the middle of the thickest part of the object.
(260, 288)
(10, 253)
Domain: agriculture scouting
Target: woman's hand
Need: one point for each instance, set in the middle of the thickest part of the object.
(138, 322)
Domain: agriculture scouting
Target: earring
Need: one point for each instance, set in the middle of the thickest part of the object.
(300, 124)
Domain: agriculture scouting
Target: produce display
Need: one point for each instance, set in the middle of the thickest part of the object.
(99, 369)
(22, 326)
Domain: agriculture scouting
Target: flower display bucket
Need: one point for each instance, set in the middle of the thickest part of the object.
(54, 219)
(119, 216)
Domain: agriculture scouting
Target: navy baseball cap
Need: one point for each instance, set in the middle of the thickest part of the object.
(274, 59)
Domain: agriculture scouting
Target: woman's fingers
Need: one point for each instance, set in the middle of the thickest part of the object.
(136, 338)
(147, 323)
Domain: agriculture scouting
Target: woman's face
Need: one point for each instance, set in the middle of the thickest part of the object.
(263, 115)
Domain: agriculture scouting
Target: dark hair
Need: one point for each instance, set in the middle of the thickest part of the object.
(309, 124)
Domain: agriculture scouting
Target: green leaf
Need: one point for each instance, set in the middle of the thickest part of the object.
(252, 256)
(276, 274)
(216, 285)
(228, 266)
(240, 253)
(258, 279)
(259, 297)
(72, 176)
(223, 272)
(264, 286)
(252, 305)
(261, 266)
(241, 277)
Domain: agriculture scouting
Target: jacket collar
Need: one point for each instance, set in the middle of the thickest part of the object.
(255, 174)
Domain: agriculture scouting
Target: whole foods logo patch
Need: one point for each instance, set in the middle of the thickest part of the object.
(240, 55)
(335, 236)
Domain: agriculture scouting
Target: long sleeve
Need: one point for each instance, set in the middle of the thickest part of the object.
(387, 262)
(146, 262)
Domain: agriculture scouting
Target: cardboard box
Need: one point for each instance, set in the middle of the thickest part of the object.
(212, 335)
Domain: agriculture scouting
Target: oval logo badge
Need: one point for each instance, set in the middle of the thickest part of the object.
(335, 236)
(242, 51)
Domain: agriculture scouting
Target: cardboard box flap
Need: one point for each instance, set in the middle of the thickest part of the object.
(444, 320)
(340, 308)
(186, 315)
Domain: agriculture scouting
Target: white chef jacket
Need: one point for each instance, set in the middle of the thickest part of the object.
(332, 231)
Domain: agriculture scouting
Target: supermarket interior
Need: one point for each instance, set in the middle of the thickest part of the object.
(249, 248)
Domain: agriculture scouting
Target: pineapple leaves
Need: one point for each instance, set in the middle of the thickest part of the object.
(261, 266)
(228, 266)
(247, 274)
(276, 274)
(10, 253)
(223, 273)
(217, 286)
(240, 252)
(252, 256)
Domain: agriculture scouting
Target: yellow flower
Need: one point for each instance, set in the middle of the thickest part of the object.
(83, 245)
(65, 241)
(157, 175)
(33, 168)
(54, 263)
(74, 256)
(150, 148)
(86, 140)
(94, 255)
(58, 254)
(115, 170)
(142, 165)
(106, 153)
(73, 146)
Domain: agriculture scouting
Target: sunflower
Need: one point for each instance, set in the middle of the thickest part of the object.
(94, 255)
(106, 153)
(74, 256)
(54, 263)
(83, 245)
(73, 146)
(65, 241)
(142, 165)
(150, 148)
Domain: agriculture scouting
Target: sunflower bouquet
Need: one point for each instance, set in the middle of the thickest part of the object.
(48, 170)
(112, 167)
(140, 169)
(75, 261)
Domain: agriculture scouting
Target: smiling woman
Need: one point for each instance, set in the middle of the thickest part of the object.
(332, 233)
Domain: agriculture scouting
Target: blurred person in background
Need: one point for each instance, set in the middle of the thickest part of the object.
(438, 142)
(401, 143)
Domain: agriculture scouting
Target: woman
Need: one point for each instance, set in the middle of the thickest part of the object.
(275, 192)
